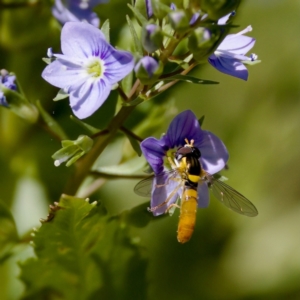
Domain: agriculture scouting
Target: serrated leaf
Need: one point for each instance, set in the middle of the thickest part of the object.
(105, 28)
(61, 95)
(83, 254)
(8, 232)
(137, 42)
(190, 79)
(140, 18)
(51, 122)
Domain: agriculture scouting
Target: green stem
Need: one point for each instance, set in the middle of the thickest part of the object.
(168, 51)
(127, 131)
(85, 164)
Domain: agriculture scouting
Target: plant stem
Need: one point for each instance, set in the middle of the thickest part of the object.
(127, 131)
(84, 165)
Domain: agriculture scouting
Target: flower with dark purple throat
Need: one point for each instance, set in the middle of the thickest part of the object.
(184, 127)
(88, 68)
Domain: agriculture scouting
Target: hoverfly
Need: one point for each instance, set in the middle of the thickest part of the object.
(184, 179)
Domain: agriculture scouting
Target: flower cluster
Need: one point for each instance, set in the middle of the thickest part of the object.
(8, 82)
(89, 67)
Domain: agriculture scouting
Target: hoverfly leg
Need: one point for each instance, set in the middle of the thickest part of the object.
(172, 163)
(170, 206)
(152, 209)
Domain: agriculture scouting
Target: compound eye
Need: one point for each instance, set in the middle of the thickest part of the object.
(197, 152)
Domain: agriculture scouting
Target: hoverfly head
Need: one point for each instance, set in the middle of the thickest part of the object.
(187, 150)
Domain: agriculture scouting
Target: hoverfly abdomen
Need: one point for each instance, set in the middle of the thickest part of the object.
(187, 218)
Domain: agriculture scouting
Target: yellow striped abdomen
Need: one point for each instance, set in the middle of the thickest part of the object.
(187, 216)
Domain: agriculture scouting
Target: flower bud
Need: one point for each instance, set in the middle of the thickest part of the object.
(6, 82)
(148, 70)
(151, 37)
(13, 100)
(71, 151)
(179, 20)
(218, 8)
(159, 9)
(200, 43)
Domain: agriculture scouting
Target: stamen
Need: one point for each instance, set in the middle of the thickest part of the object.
(253, 57)
(189, 144)
(247, 29)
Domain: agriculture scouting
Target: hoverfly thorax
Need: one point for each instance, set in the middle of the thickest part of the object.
(188, 157)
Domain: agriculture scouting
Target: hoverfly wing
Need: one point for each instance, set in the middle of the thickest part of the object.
(232, 198)
(144, 187)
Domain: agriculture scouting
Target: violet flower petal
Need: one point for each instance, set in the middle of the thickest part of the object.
(237, 44)
(229, 66)
(85, 101)
(153, 151)
(149, 8)
(214, 154)
(82, 40)
(162, 192)
(203, 195)
(184, 126)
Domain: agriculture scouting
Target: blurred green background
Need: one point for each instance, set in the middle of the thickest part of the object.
(229, 256)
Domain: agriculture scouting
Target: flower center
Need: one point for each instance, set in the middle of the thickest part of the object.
(95, 68)
(169, 153)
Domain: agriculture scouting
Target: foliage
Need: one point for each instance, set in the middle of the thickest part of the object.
(78, 251)
(152, 62)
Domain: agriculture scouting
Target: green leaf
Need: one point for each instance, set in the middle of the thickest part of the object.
(201, 120)
(91, 129)
(61, 95)
(84, 254)
(51, 122)
(190, 79)
(18, 104)
(140, 18)
(8, 232)
(134, 102)
(105, 28)
(139, 216)
(125, 169)
(137, 42)
(135, 144)
(47, 60)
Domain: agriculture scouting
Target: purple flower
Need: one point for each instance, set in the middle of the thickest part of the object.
(213, 158)
(7, 81)
(76, 11)
(149, 8)
(151, 37)
(229, 58)
(147, 66)
(88, 67)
